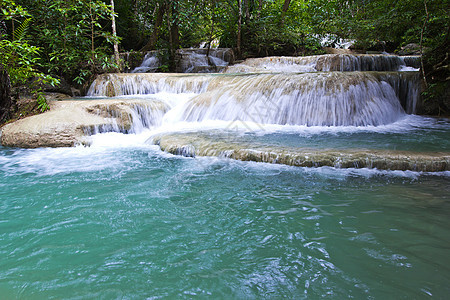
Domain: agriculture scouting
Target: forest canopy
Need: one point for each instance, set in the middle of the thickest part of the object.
(73, 39)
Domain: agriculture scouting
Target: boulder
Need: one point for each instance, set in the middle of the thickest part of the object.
(70, 122)
(63, 87)
(410, 49)
(329, 50)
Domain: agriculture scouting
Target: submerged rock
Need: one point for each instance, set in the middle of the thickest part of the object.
(194, 144)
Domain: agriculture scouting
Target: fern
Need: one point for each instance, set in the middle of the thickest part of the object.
(9, 47)
(42, 102)
(19, 32)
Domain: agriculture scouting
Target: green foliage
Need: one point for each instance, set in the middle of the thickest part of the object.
(11, 11)
(74, 37)
(71, 38)
(42, 102)
(389, 21)
(436, 95)
(267, 30)
(21, 59)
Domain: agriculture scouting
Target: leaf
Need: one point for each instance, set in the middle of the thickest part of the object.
(42, 103)
(20, 31)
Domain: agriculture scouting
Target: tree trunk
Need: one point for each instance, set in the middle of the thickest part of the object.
(211, 34)
(92, 38)
(247, 10)
(6, 103)
(238, 38)
(175, 33)
(114, 32)
(284, 10)
(2, 29)
(159, 20)
(259, 8)
(421, 46)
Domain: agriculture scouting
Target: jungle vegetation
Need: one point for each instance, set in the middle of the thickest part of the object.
(45, 41)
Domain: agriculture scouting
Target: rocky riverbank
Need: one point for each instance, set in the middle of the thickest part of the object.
(195, 144)
(69, 122)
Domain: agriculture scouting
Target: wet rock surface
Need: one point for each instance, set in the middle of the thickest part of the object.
(193, 144)
(68, 122)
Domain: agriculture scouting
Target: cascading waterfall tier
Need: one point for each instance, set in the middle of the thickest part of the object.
(150, 63)
(69, 122)
(319, 98)
(327, 63)
(112, 85)
(127, 116)
(406, 86)
(313, 99)
(192, 60)
(202, 60)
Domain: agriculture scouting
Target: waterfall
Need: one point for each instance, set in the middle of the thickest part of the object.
(202, 61)
(327, 63)
(150, 64)
(146, 116)
(112, 85)
(349, 90)
(406, 86)
(126, 116)
(313, 99)
(321, 98)
(309, 119)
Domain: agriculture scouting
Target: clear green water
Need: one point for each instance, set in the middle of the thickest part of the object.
(134, 223)
(411, 133)
(435, 138)
(421, 139)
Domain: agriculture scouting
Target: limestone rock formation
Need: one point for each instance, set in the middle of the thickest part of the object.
(69, 122)
(195, 144)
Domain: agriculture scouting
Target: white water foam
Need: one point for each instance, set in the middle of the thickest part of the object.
(175, 125)
(328, 62)
(325, 98)
(51, 161)
(173, 122)
(404, 68)
(106, 153)
(200, 163)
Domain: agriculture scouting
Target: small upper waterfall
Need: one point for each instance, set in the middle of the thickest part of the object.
(150, 64)
(112, 85)
(326, 90)
(327, 63)
(202, 60)
(195, 60)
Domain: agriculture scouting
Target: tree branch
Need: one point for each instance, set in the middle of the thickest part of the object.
(421, 40)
